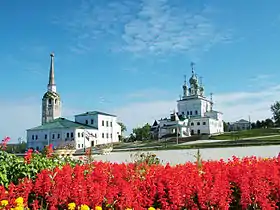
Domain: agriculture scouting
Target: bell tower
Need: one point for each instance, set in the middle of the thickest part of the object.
(51, 104)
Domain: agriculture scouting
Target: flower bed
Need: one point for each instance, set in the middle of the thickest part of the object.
(249, 183)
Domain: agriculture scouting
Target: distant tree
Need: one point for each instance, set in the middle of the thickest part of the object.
(123, 127)
(142, 133)
(269, 123)
(258, 124)
(275, 109)
(253, 125)
(263, 124)
(226, 126)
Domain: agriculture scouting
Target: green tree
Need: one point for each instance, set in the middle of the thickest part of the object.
(275, 109)
(123, 127)
(142, 133)
(258, 124)
(226, 126)
(269, 123)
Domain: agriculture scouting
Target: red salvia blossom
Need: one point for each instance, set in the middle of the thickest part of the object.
(248, 183)
(3, 144)
(49, 150)
(28, 156)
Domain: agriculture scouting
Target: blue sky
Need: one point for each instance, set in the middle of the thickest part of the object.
(128, 57)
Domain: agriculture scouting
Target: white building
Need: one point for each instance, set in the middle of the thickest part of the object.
(88, 129)
(240, 125)
(195, 114)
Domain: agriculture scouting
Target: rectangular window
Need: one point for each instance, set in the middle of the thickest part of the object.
(67, 135)
(82, 134)
(78, 134)
(36, 137)
(92, 143)
(190, 112)
(58, 135)
(107, 124)
(86, 121)
(102, 122)
(82, 145)
(53, 136)
(46, 136)
(72, 135)
(78, 145)
(111, 124)
(91, 121)
(111, 136)
(32, 137)
(107, 135)
(102, 135)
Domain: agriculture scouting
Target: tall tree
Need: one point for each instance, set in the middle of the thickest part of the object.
(275, 109)
(123, 127)
(258, 124)
(269, 123)
(142, 133)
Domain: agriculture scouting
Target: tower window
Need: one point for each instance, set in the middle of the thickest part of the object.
(55, 101)
(198, 123)
(111, 124)
(32, 137)
(46, 136)
(78, 134)
(36, 137)
(190, 112)
(53, 136)
(102, 122)
(50, 101)
(58, 135)
(67, 135)
(107, 124)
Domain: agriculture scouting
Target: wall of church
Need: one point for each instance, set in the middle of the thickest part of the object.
(91, 120)
(205, 126)
(51, 109)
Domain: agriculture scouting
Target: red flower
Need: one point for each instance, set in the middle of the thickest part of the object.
(28, 156)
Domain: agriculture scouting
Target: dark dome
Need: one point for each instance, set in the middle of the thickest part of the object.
(50, 94)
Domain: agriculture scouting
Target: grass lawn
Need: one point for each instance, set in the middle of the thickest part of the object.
(247, 134)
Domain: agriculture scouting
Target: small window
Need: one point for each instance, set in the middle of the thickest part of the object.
(111, 136)
(192, 124)
(32, 137)
(92, 143)
(36, 137)
(58, 135)
(46, 136)
(91, 121)
(82, 145)
(111, 124)
(192, 132)
(78, 134)
(190, 112)
(183, 113)
(50, 101)
(86, 121)
(198, 123)
(53, 136)
(196, 113)
(102, 135)
(102, 122)
(82, 134)
(198, 131)
(72, 135)
(67, 135)
(107, 135)
(204, 123)
(107, 124)
(78, 145)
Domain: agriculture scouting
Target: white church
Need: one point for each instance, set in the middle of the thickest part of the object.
(195, 115)
(89, 129)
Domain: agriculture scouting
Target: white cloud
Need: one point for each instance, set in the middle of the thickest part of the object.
(144, 26)
(160, 27)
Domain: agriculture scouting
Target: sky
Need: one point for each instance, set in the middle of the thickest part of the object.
(129, 57)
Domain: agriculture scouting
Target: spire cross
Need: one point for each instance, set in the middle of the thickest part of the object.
(192, 65)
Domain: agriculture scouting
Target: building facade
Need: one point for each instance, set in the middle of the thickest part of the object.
(239, 125)
(194, 116)
(88, 129)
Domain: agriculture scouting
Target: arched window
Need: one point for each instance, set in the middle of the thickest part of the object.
(50, 101)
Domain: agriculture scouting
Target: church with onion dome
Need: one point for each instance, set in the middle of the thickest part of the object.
(194, 116)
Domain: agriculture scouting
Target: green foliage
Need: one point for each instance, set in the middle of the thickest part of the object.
(16, 148)
(275, 109)
(142, 133)
(13, 168)
(148, 158)
(123, 127)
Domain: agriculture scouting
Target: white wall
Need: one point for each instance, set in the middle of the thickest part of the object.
(91, 120)
(41, 138)
(108, 129)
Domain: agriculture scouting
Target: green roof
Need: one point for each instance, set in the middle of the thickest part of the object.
(61, 123)
(50, 94)
(96, 113)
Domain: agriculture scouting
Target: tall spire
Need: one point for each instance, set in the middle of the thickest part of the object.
(192, 65)
(51, 85)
